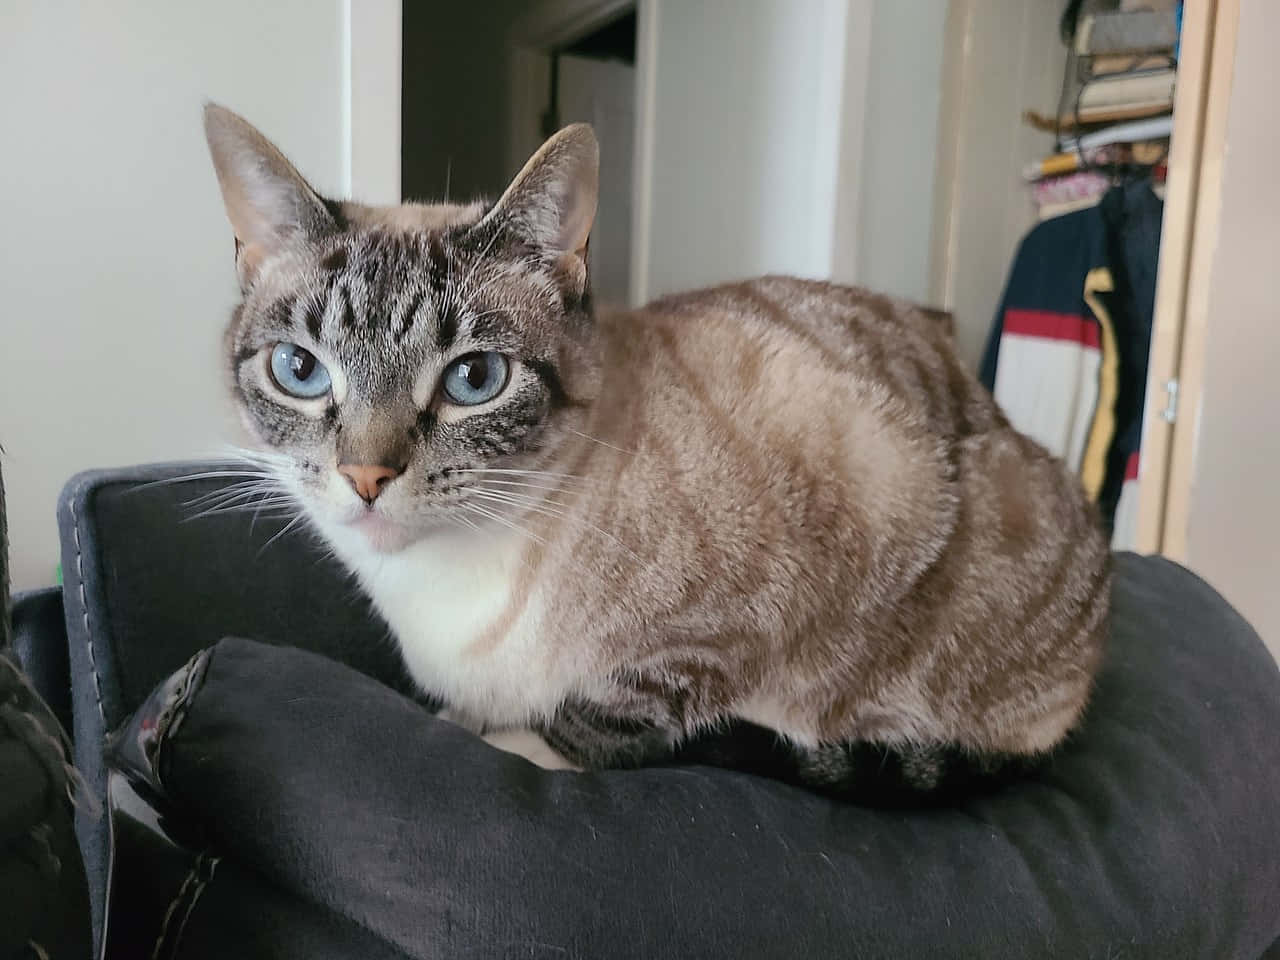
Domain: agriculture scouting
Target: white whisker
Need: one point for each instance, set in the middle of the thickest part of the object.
(603, 443)
(531, 486)
(523, 501)
(538, 506)
(528, 473)
(246, 501)
(497, 518)
(240, 486)
(287, 527)
(190, 477)
(275, 513)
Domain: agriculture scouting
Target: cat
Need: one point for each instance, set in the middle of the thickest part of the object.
(779, 507)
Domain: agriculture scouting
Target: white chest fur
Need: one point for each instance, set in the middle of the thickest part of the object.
(443, 598)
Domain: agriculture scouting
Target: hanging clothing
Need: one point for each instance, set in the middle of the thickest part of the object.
(1067, 354)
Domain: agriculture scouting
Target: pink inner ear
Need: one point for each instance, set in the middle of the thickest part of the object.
(249, 257)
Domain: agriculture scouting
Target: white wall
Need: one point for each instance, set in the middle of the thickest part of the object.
(1233, 526)
(116, 271)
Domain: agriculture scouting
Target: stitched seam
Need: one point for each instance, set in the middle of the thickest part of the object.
(191, 904)
(168, 914)
(84, 612)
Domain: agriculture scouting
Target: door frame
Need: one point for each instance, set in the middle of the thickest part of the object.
(371, 41)
(1189, 235)
(557, 23)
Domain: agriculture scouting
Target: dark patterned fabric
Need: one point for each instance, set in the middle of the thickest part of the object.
(6, 639)
(44, 908)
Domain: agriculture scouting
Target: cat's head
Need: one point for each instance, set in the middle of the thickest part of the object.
(392, 358)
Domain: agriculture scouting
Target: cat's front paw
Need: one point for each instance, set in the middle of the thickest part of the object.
(529, 745)
(461, 719)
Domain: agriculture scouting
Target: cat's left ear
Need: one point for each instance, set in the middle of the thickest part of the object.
(552, 202)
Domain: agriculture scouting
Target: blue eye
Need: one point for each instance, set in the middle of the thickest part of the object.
(297, 371)
(476, 378)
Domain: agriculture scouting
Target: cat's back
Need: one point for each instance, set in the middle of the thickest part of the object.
(806, 342)
(829, 316)
(780, 420)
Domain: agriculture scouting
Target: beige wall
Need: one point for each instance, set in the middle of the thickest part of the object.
(1233, 530)
(1001, 57)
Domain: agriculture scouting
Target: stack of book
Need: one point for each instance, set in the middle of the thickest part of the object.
(1117, 105)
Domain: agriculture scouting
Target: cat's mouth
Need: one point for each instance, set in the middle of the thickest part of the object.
(384, 534)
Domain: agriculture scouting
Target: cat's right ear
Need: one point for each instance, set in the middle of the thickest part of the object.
(267, 201)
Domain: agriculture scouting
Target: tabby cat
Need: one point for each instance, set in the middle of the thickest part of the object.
(779, 508)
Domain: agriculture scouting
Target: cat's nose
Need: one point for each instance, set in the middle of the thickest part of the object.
(368, 480)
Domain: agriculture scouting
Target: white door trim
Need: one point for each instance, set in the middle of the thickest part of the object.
(371, 91)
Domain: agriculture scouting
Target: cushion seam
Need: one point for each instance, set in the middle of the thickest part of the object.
(84, 612)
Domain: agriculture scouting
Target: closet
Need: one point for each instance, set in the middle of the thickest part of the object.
(1053, 160)
(1202, 489)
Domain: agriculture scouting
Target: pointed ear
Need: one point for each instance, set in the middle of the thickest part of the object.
(552, 201)
(267, 201)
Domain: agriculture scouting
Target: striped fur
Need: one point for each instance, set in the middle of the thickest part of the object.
(778, 505)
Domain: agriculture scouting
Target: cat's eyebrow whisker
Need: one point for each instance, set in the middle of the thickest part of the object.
(499, 230)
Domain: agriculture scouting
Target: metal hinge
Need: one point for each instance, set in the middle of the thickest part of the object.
(1170, 412)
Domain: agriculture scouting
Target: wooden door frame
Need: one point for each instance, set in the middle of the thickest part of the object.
(1189, 236)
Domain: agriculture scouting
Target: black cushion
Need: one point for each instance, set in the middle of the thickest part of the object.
(150, 578)
(1156, 832)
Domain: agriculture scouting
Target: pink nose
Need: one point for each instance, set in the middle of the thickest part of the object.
(367, 480)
